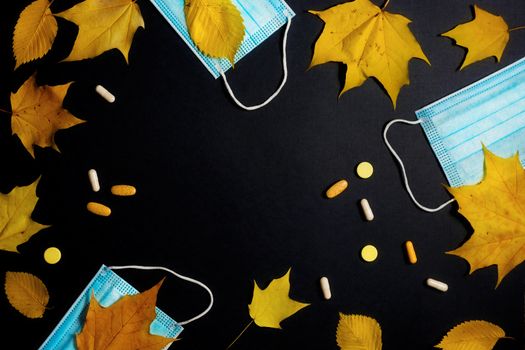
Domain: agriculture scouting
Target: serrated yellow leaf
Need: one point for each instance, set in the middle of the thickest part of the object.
(485, 36)
(16, 225)
(35, 32)
(103, 25)
(38, 114)
(272, 305)
(358, 332)
(495, 209)
(371, 42)
(472, 335)
(215, 26)
(26, 293)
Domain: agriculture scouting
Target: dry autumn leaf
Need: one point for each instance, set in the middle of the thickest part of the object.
(16, 225)
(26, 293)
(123, 325)
(38, 114)
(358, 332)
(103, 25)
(474, 335)
(495, 209)
(370, 41)
(215, 26)
(35, 32)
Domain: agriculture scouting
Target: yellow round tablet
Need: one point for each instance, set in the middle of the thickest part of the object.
(52, 255)
(369, 253)
(365, 170)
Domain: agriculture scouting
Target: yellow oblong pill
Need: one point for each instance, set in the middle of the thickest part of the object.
(411, 252)
(98, 209)
(336, 189)
(123, 190)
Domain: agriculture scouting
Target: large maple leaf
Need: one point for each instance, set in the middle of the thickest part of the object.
(496, 210)
(123, 325)
(370, 41)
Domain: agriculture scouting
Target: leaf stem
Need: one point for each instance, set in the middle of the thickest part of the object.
(4, 111)
(516, 28)
(385, 5)
(244, 330)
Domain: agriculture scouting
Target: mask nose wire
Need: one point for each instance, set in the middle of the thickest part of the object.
(403, 170)
(138, 267)
(285, 73)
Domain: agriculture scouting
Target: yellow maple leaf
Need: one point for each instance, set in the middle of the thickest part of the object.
(474, 335)
(38, 114)
(35, 32)
(485, 36)
(370, 41)
(495, 209)
(215, 26)
(123, 325)
(16, 225)
(103, 25)
(272, 305)
(26, 293)
(358, 332)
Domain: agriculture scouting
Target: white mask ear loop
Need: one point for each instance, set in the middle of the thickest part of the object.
(389, 146)
(285, 74)
(137, 267)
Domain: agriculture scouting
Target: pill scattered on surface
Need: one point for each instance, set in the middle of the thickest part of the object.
(102, 91)
(325, 287)
(98, 209)
(365, 170)
(52, 255)
(93, 178)
(367, 210)
(336, 189)
(411, 252)
(123, 190)
(369, 253)
(441, 286)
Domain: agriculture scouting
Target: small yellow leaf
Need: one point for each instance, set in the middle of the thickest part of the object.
(358, 332)
(35, 32)
(485, 36)
(272, 305)
(16, 225)
(38, 114)
(103, 25)
(215, 26)
(472, 335)
(26, 293)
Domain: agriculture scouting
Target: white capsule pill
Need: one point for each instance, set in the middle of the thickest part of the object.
(437, 284)
(325, 287)
(93, 178)
(367, 210)
(102, 91)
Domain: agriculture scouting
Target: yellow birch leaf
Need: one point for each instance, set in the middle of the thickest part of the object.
(485, 36)
(35, 32)
(215, 26)
(472, 335)
(38, 114)
(123, 325)
(16, 225)
(103, 25)
(370, 41)
(26, 293)
(495, 209)
(272, 305)
(358, 332)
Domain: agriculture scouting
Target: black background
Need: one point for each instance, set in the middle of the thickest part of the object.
(228, 196)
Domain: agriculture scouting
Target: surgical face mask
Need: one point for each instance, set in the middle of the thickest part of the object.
(261, 18)
(108, 287)
(490, 112)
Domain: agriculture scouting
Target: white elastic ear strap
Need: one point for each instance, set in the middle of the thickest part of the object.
(137, 267)
(405, 178)
(285, 74)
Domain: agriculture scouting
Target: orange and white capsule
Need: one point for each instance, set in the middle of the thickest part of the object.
(411, 252)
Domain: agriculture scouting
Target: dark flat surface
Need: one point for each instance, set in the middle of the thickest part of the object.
(227, 196)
